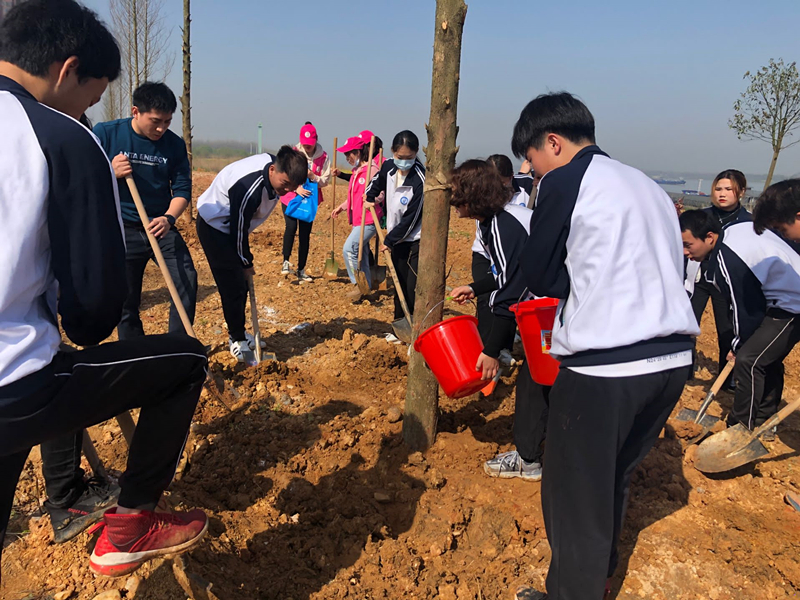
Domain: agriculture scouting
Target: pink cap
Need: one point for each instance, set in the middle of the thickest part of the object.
(366, 136)
(308, 135)
(353, 143)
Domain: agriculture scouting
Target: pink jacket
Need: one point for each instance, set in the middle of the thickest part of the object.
(355, 195)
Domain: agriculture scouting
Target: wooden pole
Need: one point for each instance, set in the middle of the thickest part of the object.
(422, 402)
(186, 98)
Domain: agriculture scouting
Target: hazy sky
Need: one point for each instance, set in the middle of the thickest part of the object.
(659, 77)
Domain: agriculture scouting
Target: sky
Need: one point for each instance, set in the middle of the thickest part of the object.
(660, 77)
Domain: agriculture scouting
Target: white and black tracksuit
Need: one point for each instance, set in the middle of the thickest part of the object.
(63, 253)
(503, 238)
(238, 200)
(760, 277)
(404, 200)
(522, 184)
(701, 290)
(604, 239)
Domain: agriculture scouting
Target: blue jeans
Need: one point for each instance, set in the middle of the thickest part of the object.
(350, 252)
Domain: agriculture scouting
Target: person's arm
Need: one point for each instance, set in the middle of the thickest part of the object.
(244, 198)
(545, 253)
(525, 183)
(378, 182)
(324, 178)
(86, 242)
(408, 222)
(737, 283)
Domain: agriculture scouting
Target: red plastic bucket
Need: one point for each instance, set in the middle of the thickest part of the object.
(535, 319)
(451, 349)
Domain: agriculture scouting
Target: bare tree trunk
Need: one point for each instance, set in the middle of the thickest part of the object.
(186, 105)
(774, 162)
(145, 40)
(422, 402)
(135, 19)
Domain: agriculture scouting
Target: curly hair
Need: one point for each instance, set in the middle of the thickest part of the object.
(479, 185)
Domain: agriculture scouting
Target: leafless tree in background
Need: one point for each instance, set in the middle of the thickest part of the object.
(143, 37)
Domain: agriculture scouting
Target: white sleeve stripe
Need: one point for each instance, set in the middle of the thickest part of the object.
(240, 234)
(727, 277)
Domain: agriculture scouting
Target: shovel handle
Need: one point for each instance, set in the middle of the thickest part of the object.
(777, 418)
(397, 288)
(251, 291)
(173, 291)
(333, 201)
(715, 390)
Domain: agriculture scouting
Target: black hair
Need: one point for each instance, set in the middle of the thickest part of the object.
(560, 113)
(699, 223)
(154, 95)
(502, 163)
(293, 164)
(777, 205)
(363, 153)
(37, 33)
(405, 138)
(308, 123)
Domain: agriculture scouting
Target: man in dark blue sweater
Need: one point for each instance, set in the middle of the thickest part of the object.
(144, 145)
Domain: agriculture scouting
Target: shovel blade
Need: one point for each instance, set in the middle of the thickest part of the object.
(363, 284)
(331, 268)
(728, 450)
(402, 329)
(690, 415)
(249, 358)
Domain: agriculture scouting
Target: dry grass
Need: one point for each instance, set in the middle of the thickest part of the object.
(212, 164)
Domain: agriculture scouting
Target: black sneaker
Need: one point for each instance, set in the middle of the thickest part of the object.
(526, 593)
(88, 509)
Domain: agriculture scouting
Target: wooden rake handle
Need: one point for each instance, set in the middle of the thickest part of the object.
(397, 287)
(363, 203)
(333, 200)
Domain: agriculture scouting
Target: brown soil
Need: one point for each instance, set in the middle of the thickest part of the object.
(312, 493)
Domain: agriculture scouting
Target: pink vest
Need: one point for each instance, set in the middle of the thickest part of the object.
(355, 195)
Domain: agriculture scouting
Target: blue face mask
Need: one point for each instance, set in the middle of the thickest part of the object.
(404, 165)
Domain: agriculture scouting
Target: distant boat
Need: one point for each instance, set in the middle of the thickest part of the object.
(696, 192)
(668, 181)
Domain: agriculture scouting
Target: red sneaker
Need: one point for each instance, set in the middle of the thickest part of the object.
(127, 541)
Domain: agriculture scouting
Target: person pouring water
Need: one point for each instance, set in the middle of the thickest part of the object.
(402, 179)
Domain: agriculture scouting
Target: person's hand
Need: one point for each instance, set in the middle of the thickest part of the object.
(311, 175)
(121, 165)
(335, 172)
(159, 227)
(384, 248)
(303, 192)
(369, 204)
(488, 366)
(250, 271)
(731, 356)
(339, 209)
(381, 198)
(525, 167)
(462, 294)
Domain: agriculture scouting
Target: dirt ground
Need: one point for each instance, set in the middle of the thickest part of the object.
(313, 495)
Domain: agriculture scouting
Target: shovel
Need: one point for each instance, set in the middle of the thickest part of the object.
(331, 266)
(377, 272)
(737, 446)
(401, 327)
(699, 416)
(361, 277)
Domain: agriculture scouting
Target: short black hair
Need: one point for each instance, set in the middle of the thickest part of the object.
(293, 164)
(405, 138)
(37, 33)
(502, 163)
(699, 223)
(777, 205)
(154, 95)
(560, 113)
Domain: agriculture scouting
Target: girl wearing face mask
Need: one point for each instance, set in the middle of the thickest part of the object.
(356, 152)
(401, 179)
(319, 172)
(727, 192)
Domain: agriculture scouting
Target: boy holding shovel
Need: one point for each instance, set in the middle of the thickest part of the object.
(63, 253)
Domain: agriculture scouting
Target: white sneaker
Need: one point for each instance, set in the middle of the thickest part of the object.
(303, 276)
(287, 268)
(510, 464)
(251, 341)
(238, 348)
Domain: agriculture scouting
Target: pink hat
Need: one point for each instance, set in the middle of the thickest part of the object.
(366, 135)
(353, 143)
(308, 135)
